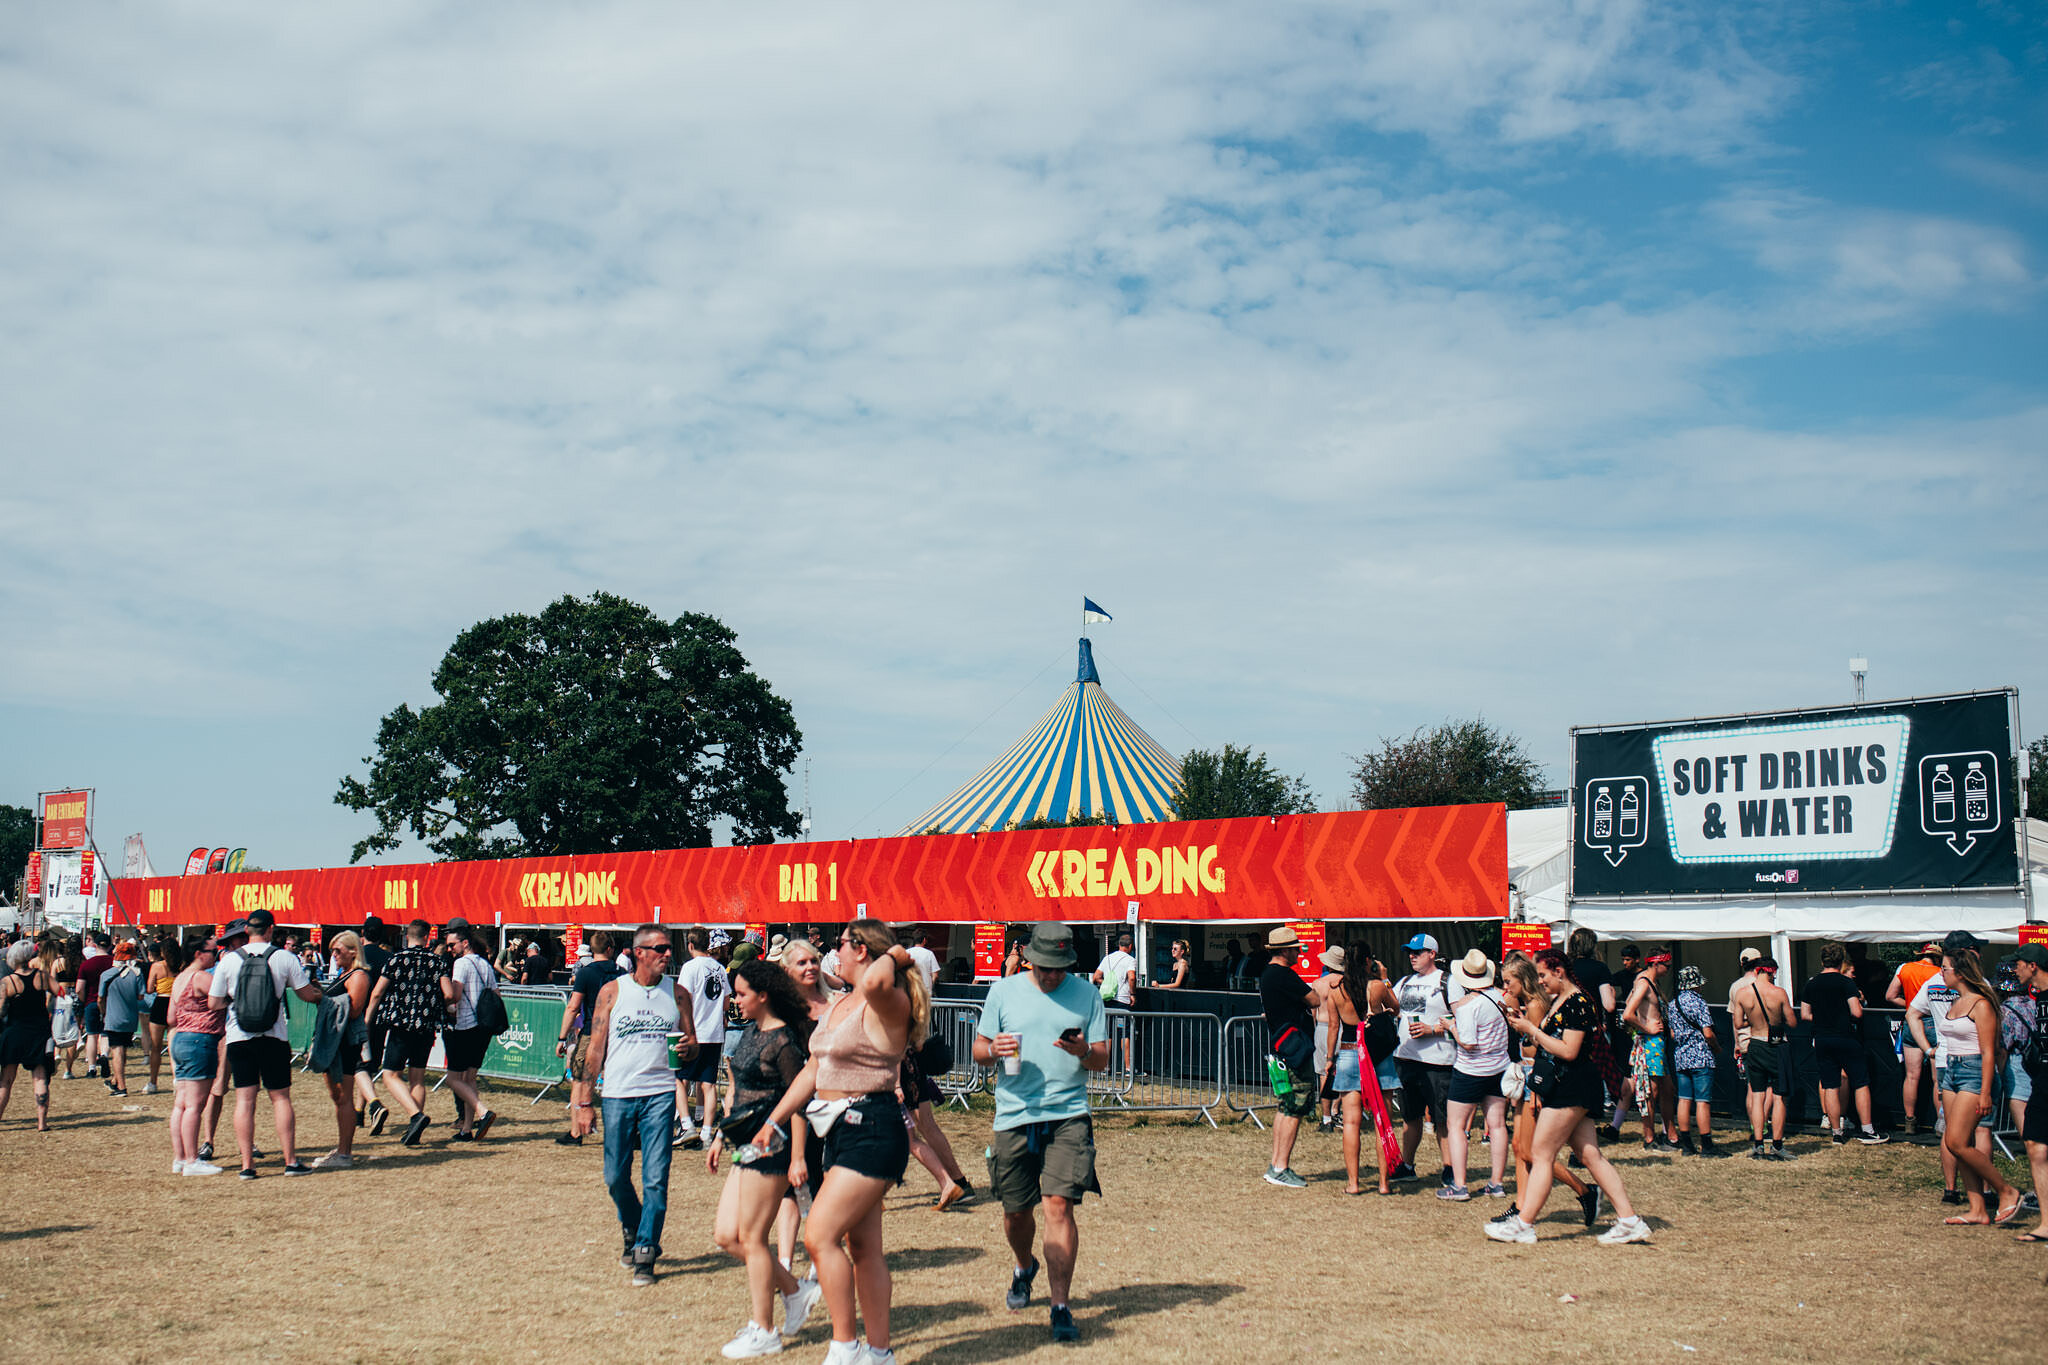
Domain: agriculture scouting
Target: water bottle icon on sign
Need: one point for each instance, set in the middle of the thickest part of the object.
(1615, 810)
(1960, 818)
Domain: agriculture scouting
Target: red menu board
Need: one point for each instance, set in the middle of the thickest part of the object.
(85, 873)
(1314, 939)
(1529, 939)
(2034, 933)
(572, 945)
(988, 951)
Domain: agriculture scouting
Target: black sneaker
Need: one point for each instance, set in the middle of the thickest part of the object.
(414, 1129)
(117, 1094)
(379, 1116)
(248, 1173)
(206, 1151)
(1665, 1144)
(643, 1267)
(1608, 1134)
(298, 1168)
(1589, 1205)
(1019, 1296)
(568, 1140)
(255, 1154)
(1686, 1145)
(1404, 1171)
(1870, 1137)
(1951, 1196)
(1712, 1149)
(1063, 1328)
(1840, 1137)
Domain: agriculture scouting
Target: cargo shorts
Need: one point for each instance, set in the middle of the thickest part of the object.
(1034, 1160)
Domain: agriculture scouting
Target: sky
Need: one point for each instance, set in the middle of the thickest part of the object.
(1373, 365)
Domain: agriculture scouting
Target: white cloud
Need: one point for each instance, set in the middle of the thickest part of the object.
(883, 335)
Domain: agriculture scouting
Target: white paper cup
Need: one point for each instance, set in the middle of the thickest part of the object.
(1013, 1064)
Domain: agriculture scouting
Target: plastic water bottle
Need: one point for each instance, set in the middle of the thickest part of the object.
(1976, 796)
(748, 1154)
(1628, 813)
(1944, 788)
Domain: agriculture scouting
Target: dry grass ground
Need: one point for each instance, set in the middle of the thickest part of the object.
(508, 1249)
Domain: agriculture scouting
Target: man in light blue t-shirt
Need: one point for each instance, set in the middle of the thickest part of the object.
(1050, 1027)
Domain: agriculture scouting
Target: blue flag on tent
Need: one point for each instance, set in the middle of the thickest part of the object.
(1091, 612)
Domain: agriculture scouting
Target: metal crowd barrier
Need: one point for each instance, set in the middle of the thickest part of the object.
(957, 1022)
(1162, 1062)
(1245, 1085)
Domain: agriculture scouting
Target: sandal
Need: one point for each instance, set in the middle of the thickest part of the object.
(2004, 1216)
(2032, 1237)
(1963, 1220)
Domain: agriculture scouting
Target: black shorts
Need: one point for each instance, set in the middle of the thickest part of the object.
(1467, 1089)
(1425, 1089)
(378, 1033)
(870, 1139)
(266, 1061)
(1762, 1061)
(464, 1048)
(160, 1011)
(120, 1038)
(1837, 1057)
(405, 1050)
(702, 1069)
(2035, 1129)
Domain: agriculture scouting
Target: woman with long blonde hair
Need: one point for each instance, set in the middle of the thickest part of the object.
(847, 1092)
(1969, 1035)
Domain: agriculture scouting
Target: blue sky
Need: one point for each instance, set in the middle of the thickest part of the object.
(1373, 364)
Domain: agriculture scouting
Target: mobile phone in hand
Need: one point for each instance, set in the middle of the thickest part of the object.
(1072, 1035)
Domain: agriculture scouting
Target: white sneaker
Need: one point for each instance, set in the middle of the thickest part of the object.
(335, 1161)
(875, 1357)
(178, 1166)
(149, 1089)
(1625, 1230)
(846, 1352)
(201, 1168)
(796, 1307)
(753, 1340)
(1509, 1227)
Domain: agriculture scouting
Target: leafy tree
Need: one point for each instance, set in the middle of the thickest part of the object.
(2037, 780)
(593, 727)
(17, 839)
(1455, 763)
(1079, 819)
(1216, 786)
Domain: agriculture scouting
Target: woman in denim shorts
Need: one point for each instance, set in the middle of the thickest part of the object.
(195, 1058)
(1969, 1035)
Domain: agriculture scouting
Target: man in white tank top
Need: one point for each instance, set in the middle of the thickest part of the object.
(629, 1049)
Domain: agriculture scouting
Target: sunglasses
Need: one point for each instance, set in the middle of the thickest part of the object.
(663, 948)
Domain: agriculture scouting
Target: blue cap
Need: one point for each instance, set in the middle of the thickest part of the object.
(1421, 943)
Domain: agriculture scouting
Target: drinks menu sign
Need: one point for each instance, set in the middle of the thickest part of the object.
(1892, 796)
(988, 951)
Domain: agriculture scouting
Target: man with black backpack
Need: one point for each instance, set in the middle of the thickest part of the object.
(249, 986)
(479, 1017)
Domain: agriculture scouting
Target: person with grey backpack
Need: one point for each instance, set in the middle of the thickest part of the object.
(249, 987)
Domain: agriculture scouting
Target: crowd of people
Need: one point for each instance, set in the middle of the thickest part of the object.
(828, 1060)
(1546, 1054)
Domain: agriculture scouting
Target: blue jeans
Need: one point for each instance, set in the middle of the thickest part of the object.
(646, 1123)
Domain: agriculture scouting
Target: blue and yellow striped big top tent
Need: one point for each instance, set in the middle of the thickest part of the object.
(1084, 757)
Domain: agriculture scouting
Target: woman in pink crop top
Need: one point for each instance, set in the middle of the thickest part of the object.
(848, 1089)
(195, 1059)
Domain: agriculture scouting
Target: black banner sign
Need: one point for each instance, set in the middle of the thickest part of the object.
(1889, 796)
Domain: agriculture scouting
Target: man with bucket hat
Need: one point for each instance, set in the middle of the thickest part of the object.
(1041, 1032)
(1290, 1005)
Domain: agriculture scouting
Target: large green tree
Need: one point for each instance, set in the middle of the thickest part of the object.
(1456, 763)
(593, 727)
(2037, 780)
(17, 840)
(1217, 785)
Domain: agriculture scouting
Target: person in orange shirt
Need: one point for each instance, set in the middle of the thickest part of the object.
(1906, 984)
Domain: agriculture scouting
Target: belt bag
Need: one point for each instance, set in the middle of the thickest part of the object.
(820, 1115)
(1295, 1050)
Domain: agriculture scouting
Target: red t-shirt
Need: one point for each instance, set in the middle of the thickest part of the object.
(89, 973)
